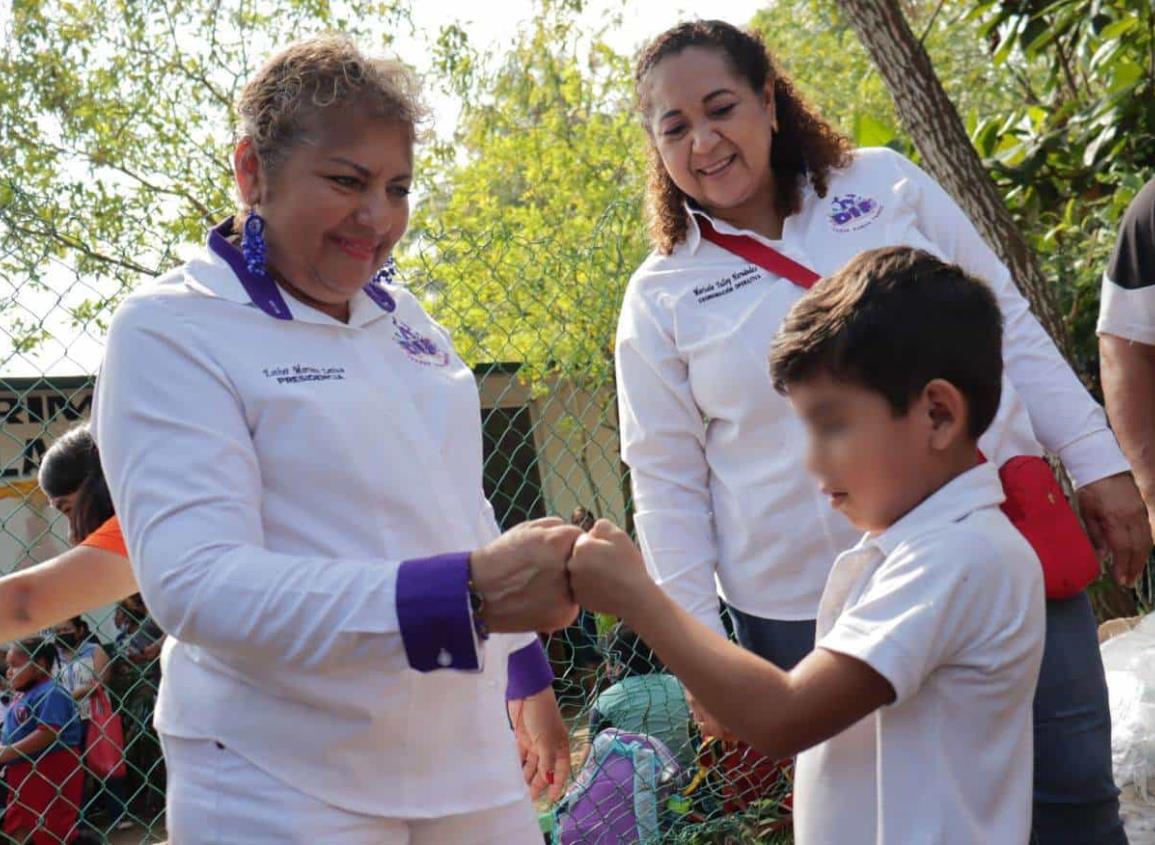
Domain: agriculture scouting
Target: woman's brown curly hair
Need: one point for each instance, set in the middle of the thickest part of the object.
(805, 145)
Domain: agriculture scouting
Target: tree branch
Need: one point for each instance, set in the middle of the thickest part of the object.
(75, 245)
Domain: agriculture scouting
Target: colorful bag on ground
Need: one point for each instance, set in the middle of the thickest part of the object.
(104, 745)
(620, 796)
(732, 776)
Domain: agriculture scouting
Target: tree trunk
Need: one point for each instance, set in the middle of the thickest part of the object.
(938, 132)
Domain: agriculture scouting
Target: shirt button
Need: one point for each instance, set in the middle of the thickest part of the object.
(444, 659)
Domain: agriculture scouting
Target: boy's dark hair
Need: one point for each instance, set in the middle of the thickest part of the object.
(39, 650)
(892, 320)
(630, 652)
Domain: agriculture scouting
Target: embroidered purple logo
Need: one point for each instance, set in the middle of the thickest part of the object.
(22, 713)
(850, 212)
(418, 347)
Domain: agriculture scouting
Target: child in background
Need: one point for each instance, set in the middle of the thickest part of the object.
(912, 717)
(41, 740)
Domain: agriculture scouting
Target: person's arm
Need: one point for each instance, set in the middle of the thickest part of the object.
(663, 439)
(779, 713)
(1065, 418)
(183, 471)
(1128, 373)
(1126, 329)
(70, 584)
(33, 744)
(100, 666)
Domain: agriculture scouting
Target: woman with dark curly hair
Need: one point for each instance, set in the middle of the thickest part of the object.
(752, 198)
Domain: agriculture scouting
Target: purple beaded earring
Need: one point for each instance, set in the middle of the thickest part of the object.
(253, 243)
(387, 273)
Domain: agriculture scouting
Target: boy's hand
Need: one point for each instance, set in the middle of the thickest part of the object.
(606, 572)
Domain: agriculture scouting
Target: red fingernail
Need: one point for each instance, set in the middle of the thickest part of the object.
(549, 778)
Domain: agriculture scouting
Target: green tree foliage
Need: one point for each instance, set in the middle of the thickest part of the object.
(115, 125)
(115, 122)
(532, 224)
(820, 51)
(1080, 139)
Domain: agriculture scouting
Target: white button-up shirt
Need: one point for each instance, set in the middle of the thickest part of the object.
(947, 605)
(293, 491)
(716, 456)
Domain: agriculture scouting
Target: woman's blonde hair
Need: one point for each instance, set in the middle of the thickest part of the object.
(279, 106)
(805, 146)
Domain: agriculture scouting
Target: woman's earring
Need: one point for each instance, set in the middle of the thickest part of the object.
(253, 243)
(387, 273)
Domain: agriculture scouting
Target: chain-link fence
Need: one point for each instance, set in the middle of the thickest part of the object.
(91, 681)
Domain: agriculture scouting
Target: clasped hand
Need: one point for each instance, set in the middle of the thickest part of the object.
(534, 576)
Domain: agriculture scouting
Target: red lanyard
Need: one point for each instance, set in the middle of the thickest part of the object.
(758, 253)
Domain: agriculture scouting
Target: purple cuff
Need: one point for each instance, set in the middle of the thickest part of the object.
(529, 672)
(434, 615)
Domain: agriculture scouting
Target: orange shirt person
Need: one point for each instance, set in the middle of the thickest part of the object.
(93, 573)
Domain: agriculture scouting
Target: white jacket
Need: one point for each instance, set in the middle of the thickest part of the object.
(277, 473)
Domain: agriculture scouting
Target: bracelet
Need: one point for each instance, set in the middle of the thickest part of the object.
(477, 606)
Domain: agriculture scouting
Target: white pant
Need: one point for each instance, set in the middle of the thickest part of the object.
(216, 797)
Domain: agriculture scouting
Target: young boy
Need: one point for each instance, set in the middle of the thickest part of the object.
(40, 751)
(913, 713)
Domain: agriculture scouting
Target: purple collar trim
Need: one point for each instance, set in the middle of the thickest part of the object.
(263, 291)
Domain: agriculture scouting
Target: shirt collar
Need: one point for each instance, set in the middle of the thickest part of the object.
(974, 490)
(694, 239)
(693, 231)
(238, 284)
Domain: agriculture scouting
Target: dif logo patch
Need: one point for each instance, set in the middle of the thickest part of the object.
(850, 212)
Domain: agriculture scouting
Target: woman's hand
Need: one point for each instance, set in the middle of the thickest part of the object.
(542, 742)
(1116, 521)
(521, 577)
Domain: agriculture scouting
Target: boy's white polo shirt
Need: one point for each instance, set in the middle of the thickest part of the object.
(723, 501)
(276, 472)
(948, 606)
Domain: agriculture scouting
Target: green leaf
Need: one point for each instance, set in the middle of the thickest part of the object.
(869, 131)
(1118, 28)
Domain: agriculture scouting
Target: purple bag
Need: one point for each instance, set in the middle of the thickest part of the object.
(620, 795)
